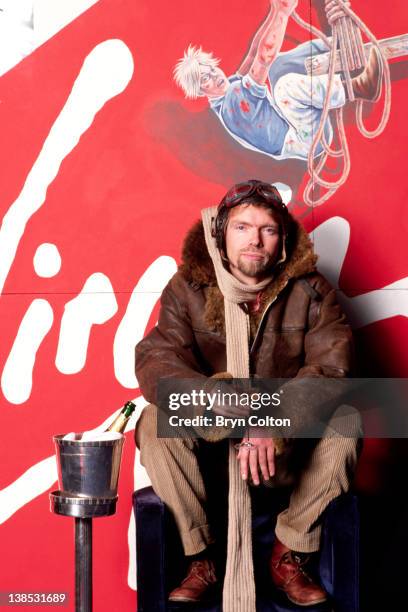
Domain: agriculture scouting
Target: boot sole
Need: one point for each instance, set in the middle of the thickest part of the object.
(185, 600)
(306, 605)
(207, 597)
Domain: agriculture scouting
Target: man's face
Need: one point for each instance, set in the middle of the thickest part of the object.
(213, 82)
(252, 241)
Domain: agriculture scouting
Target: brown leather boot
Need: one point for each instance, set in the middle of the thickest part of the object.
(367, 85)
(288, 574)
(198, 584)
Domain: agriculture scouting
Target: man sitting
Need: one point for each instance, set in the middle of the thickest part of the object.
(247, 301)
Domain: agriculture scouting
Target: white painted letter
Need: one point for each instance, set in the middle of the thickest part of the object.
(95, 304)
(47, 260)
(17, 377)
(133, 325)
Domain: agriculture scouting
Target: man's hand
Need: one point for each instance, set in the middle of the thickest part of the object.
(220, 384)
(285, 6)
(259, 456)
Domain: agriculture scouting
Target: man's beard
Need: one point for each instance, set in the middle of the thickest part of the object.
(255, 267)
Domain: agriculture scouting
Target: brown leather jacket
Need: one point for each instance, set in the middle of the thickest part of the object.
(300, 330)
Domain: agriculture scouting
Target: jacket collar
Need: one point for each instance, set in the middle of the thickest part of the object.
(198, 270)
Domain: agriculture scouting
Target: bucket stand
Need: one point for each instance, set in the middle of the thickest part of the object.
(83, 510)
(88, 476)
(83, 564)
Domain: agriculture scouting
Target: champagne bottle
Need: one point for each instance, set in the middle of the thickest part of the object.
(119, 423)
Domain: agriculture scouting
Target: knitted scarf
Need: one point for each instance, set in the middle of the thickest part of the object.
(239, 584)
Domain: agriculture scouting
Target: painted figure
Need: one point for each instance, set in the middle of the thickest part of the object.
(270, 104)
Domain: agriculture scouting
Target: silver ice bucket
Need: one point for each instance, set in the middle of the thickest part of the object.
(89, 468)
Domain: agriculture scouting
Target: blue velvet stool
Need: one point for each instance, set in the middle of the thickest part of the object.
(161, 564)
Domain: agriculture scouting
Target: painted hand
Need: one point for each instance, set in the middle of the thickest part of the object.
(334, 11)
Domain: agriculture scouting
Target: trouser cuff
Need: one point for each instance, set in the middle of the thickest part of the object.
(299, 542)
(196, 540)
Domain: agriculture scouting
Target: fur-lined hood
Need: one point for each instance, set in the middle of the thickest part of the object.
(198, 270)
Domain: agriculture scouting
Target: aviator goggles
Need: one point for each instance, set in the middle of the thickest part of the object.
(250, 188)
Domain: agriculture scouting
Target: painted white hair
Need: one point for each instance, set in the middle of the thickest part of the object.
(187, 70)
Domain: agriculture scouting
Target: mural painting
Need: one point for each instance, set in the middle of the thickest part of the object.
(279, 103)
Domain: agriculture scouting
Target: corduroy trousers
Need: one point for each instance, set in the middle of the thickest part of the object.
(318, 470)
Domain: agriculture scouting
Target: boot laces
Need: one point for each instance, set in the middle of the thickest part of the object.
(299, 561)
(201, 571)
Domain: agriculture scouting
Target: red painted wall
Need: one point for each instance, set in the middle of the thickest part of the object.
(124, 196)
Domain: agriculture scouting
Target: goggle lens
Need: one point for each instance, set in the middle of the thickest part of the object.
(244, 190)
